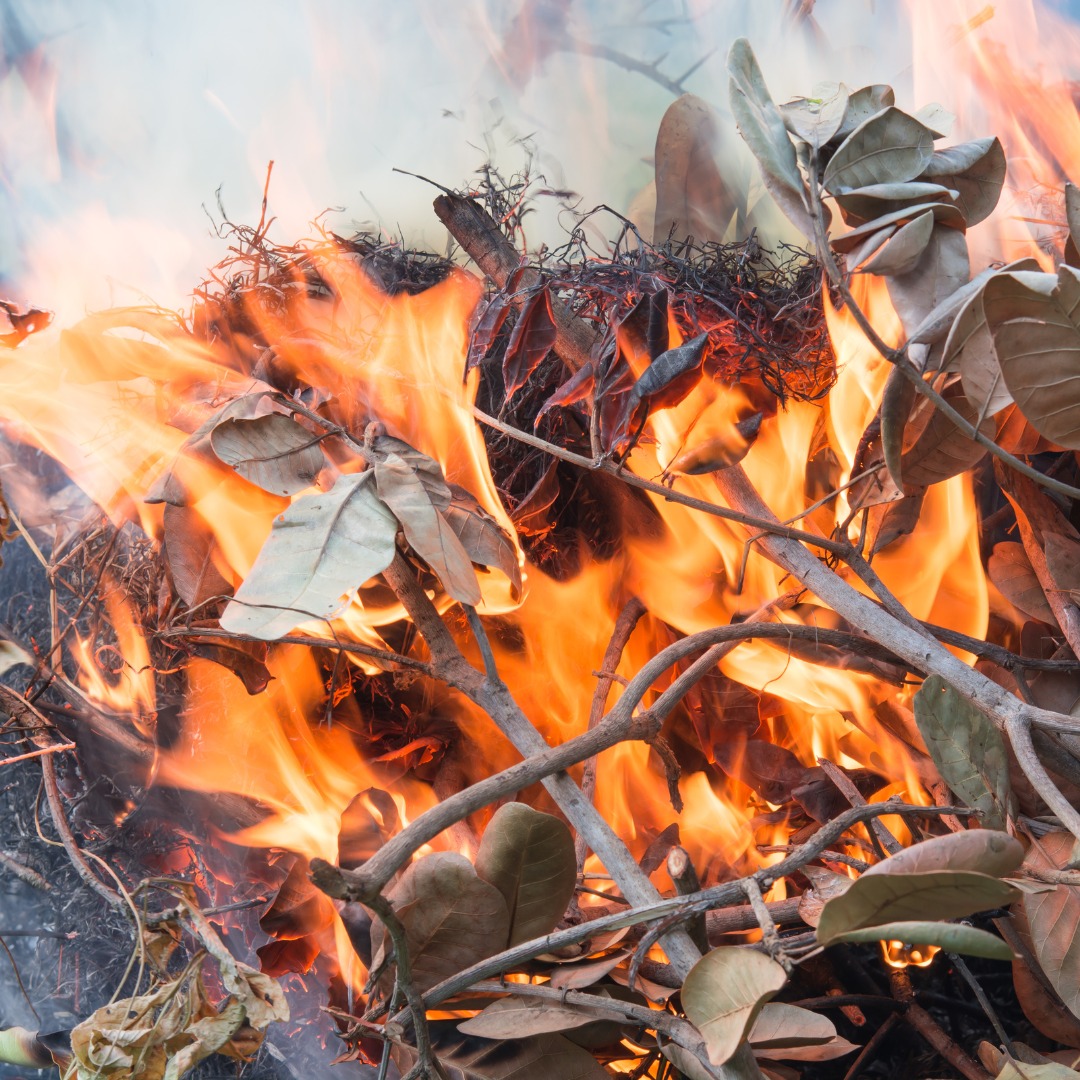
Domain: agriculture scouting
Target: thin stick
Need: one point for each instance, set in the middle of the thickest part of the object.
(628, 619)
(56, 748)
(847, 788)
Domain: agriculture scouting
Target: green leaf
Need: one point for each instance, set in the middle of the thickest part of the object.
(321, 547)
(273, 452)
(529, 857)
(967, 749)
(762, 128)
(889, 898)
(452, 918)
(986, 851)
(1036, 332)
(21, 1047)
(539, 1057)
(723, 994)
(976, 170)
(952, 937)
(890, 147)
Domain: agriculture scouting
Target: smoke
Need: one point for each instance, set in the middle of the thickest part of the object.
(123, 120)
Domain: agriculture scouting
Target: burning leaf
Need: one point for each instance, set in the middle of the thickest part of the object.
(419, 509)
(274, 452)
(1054, 921)
(692, 198)
(452, 917)
(578, 387)
(538, 1057)
(16, 325)
(762, 128)
(321, 547)
(986, 851)
(519, 1017)
(485, 541)
(724, 993)
(671, 376)
(816, 120)
(190, 546)
(889, 898)
(977, 170)
(953, 937)
(863, 103)
(487, 329)
(643, 333)
(942, 450)
(721, 451)
(901, 253)
(888, 147)
(532, 338)
(869, 203)
(772, 771)
(1011, 572)
(529, 857)
(826, 884)
(943, 268)
(1036, 332)
(967, 749)
(245, 659)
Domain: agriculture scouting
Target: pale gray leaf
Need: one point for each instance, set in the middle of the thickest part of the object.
(779, 1025)
(426, 528)
(944, 214)
(723, 994)
(937, 118)
(762, 128)
(321, 547)
(872, 243)
(977, 170)
(877, 200)
(943, 268)
(273, 452)
(970, 348)
(483, 538)
(1037, 338)
(901, 254)
(890, 898)
(967, 749)
(987, 851)
(889, 147)
(816, 120)
(863, 103)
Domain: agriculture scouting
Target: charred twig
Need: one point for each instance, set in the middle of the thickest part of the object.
(686, 882)
(473, 228)
(628, 619)
(23, 872)
(931, 1030)
(847, 788)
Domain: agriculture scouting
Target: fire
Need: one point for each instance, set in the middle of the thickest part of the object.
(117, 397)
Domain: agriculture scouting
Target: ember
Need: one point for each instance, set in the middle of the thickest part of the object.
(648, 655)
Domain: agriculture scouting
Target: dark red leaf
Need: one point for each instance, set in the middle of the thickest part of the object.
(277, 958)
(578, 387)
(298, 908)
(672, 375)
(770, 770)
(487, 329)
(530, 516)
(245, 659)
(532, 339)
